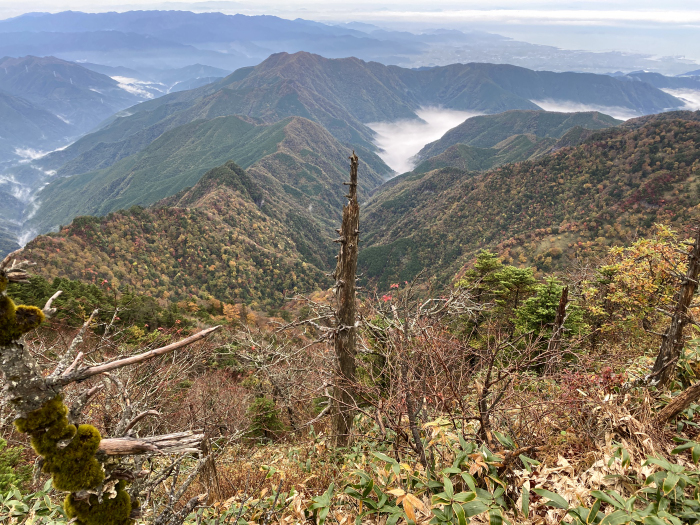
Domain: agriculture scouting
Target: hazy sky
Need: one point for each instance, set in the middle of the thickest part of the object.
(625, 25)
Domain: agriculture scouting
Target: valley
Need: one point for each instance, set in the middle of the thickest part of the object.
(282, 271)
(184, 133)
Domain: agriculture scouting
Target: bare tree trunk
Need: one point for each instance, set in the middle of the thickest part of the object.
(345, 296)
(672, 343)
(678, 404)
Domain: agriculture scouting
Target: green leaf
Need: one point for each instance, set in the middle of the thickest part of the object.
(322, 515)
(696, 454)
(684, 446)
(528, 462)
(525, 507)
(459, 512)
(464, 497)
(616, 518)
(469, 480)
(670, 482)
(594, 512)
(555, 500)
(625, 457)
(580, 513)
(449, 489)
(602, 496)
(495, 517)
(393, 519)
(474, 507)
(653, 520)
(384, 458)
(504, 440)
(441, 499)
(660, 462)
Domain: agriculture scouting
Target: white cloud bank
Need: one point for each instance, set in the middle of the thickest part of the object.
(400, 141)
(543, 16)
(691, 97)
(135, 86)
(566, 106)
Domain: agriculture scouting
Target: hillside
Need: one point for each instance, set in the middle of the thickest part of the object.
(8, 243)
(25, 125)
(470, 158)
(344, 94)
(294, 157)
(575, 201)
(216, 239)
(79, 96)
(488, 141)
(662, 81)
(485, 131)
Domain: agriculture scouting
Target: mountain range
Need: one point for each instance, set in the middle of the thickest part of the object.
(172, 39)
(303, 159)
(576, 201)
(80, 97)
(109, 168)
(489, 130)
(245, 234)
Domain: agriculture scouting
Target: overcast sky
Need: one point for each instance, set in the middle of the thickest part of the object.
(625, 25)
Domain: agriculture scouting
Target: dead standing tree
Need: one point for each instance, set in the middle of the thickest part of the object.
(345, 332)
(78, 459)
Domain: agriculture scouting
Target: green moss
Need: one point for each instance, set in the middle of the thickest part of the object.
(52, 412)
(112, 511)
(68, 452)
(75, 468)
(17, 320)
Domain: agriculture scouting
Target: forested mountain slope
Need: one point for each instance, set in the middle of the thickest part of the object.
(345, 94)
(218, 239)
(485, 131)
(301, 158)
(471, 158)
(575, 201)
(81, 97)
(25, 125)
(487, 141)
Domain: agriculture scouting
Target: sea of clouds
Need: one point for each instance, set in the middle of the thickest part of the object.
(399, 141)
(691, 97)
(566, 106)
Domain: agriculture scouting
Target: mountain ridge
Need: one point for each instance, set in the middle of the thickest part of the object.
(211, 241)
(292, 148)
(302, 85)
(573, 202)
(486, 131)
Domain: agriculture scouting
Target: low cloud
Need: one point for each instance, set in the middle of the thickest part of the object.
(29, 154)
(400, 141)
(691, 97)
(566, 106)
(600, 17)
(138, 87)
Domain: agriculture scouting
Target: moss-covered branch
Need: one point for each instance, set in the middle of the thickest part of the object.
(70, 453)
